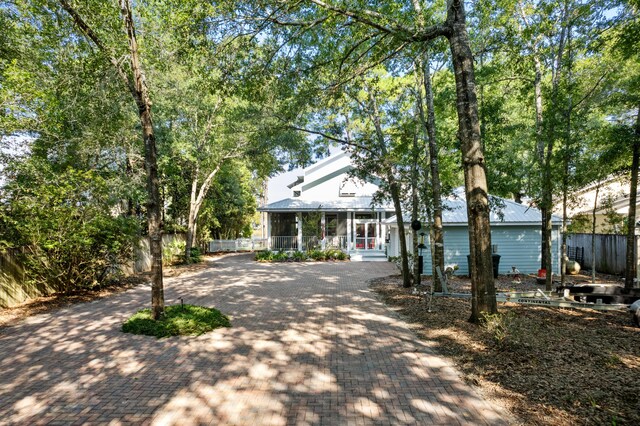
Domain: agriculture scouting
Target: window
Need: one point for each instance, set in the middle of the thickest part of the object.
(296, 193)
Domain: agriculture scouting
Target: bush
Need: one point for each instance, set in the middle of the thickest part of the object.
(318, 255)
(281, 256)
(299, 256)
(178, 320)
(64, 224)
(264, 256)
(502, 328)
(337, 254)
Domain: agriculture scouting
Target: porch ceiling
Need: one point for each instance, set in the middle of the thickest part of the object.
(345, 204)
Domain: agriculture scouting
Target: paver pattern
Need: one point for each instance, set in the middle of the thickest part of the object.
(310, 345)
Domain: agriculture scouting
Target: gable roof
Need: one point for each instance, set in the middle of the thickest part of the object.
(503, 212)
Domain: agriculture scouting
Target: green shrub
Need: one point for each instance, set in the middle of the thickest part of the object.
(173, 252)
(336, 254)
(299, 256)
(264, 256)
(63, 223)
(318, 255)
(502, 328)
(281, 256)
(178, 320)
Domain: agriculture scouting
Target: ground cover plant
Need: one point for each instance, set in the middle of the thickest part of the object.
(300, 256)
(547, 366)
(178, 320)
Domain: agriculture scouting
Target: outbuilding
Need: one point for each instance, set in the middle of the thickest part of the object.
(515, 236)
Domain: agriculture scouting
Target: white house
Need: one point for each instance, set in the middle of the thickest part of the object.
(327, 208)
(610, 197)
(515, 235)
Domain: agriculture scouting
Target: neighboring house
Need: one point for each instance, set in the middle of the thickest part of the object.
(328, 208)
(612, 206)
(515, 235)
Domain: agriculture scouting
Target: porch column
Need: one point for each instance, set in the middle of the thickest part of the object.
(349, 236)
(324, 231)
(378, 230)
(383, 232)
(268, 230)
(299, 225)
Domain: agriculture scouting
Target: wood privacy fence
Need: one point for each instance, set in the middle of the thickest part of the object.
(611, 251)
(14, 289)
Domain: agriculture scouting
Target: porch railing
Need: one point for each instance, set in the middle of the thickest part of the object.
(284, 243)
(241, 244)
(308, 243)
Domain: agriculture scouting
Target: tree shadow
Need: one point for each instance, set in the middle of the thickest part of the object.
(309, 345)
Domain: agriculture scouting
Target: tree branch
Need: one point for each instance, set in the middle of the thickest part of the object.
(372, 19)
(87, 31)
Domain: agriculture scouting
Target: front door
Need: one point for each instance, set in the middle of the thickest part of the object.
(366, 235)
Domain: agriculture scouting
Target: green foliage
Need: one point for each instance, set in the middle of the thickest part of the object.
(299, 256)
(173, 254)
(336, 254)
(503, 329)
(318, 255)
(64, 225)
(230, 206)
(281, 256)
(178, 320)
(264, 256)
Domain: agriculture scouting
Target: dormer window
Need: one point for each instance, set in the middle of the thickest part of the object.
(296, 193)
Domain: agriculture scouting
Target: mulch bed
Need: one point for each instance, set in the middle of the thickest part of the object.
(548, 366)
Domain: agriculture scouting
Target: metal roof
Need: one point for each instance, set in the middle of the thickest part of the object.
(343, 204)
(503, 212)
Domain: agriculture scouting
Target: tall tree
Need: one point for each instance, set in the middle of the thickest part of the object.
(135, 81)
(385, 26)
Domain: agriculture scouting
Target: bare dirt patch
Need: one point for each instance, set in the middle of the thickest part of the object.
(548, 366)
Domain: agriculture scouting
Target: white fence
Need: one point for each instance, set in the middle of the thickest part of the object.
(241, 244)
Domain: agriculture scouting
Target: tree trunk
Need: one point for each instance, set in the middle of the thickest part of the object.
(436, 187)
(414, 212)
(483, 298)
(566, 158)
(191, 221)
(138, 90)
(196, 200)
(547, 196)
(630, 269)
(395, 197)
(593, 235)
(429, 124)
(151, 165)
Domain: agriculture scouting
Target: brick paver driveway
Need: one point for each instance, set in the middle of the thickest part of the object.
(310, 345)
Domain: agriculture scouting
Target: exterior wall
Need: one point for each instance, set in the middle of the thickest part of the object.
(330, 189)
(518, 246)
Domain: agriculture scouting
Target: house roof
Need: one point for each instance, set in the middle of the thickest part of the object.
(503, 212)
(342, 204)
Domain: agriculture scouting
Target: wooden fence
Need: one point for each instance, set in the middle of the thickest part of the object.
(14, 289)
(611, 251)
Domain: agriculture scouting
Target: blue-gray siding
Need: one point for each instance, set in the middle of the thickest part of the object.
(518, 246)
